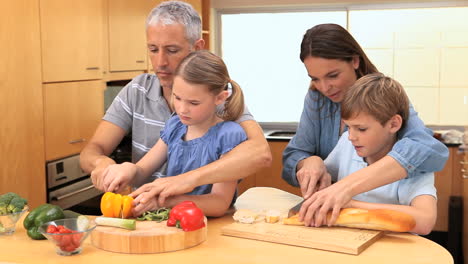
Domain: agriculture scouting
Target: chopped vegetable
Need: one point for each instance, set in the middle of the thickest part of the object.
(82, 223)
(187, 216)
(116, 222)
(116, 205)
(159, 215)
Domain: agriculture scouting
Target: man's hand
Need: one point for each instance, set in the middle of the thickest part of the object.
(118, 176)
(98, 174)
(165, 187)
(312, 176)
(314, 210)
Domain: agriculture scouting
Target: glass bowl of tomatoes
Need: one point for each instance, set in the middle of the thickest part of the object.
(68, 234)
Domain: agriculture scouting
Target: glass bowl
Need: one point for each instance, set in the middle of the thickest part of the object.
(67, 244)
(8, 221)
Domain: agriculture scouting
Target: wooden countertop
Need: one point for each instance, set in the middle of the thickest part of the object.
(392, 248)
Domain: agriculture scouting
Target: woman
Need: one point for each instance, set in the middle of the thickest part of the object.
(334, 61)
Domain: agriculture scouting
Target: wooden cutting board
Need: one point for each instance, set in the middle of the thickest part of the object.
(148, 237)
(259, 199)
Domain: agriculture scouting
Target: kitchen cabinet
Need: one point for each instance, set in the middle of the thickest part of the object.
(445, 185)
(464, 178)
(271, 176)
(71, 39)
(21, 126)
(127, 50)
(72, 112)
(127, 34)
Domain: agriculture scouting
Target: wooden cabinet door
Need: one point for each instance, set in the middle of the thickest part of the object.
(127, 34)
(464, 164)
(71, 38)
(443, 182)
(72, 112)
(271, 177)
(22, 123)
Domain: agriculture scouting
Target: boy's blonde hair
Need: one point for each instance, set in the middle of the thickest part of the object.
(204, 67)
(377, 95)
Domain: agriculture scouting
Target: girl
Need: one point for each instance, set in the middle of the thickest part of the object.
(334, 61)
(199, 134)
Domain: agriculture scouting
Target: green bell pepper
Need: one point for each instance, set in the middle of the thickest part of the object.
(40, 215)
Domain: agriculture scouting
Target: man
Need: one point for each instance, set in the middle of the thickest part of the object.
(173, 30)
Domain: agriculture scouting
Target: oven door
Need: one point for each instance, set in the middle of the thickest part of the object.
(73, 194)
(68, 185)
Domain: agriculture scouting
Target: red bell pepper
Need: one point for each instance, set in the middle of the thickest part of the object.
(186, 215)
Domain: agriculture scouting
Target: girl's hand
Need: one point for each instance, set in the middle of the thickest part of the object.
(144, 201)
(118, 176)
(163, 188)
(314, 210)
(312, 176)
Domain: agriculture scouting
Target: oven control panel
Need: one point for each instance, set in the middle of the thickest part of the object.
(63, 171)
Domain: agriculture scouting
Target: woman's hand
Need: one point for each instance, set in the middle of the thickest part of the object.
(118, 176)
(312, 176)
(314, 210)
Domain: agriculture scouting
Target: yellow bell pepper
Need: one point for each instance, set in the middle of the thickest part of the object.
(116, 205)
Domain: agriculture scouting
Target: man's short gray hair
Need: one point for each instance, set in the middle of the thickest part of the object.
(171, 12)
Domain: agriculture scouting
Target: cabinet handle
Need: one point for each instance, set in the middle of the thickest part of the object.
(140, 61)
(465, 176)
(463, 162)
(77, 141)
(92, 68)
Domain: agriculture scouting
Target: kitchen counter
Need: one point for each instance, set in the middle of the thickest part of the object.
(391, 248)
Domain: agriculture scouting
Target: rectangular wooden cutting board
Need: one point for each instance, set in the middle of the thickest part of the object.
(259, 199)
(338, 239)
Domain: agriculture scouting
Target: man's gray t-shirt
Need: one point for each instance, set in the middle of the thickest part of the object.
(140, 107)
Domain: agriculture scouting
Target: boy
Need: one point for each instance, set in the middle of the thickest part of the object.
(374, 109)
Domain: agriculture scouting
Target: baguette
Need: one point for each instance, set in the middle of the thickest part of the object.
(375, 219)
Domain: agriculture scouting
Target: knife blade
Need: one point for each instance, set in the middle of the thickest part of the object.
(294, 210)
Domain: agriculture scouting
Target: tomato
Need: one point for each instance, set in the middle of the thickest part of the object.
(66, 239)
(51, 229)
(57, 238)
(76, 239)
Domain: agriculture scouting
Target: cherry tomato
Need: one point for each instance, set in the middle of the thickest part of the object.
(51, 229)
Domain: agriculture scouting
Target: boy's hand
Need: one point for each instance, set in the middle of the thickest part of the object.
(314, 210)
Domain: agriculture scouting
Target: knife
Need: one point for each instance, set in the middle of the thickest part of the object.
(294, 210)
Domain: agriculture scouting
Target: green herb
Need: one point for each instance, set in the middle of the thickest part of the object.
(159, 215)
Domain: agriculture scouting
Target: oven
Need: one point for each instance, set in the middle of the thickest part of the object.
(69, 187)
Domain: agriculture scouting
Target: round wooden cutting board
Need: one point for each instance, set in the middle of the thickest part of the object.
(148, 237)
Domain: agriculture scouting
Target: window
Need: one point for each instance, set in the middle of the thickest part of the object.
(261, 51)
(425, 49)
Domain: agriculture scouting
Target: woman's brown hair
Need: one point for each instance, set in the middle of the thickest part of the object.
(205, 68)
(331, 41)
(377, 95)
